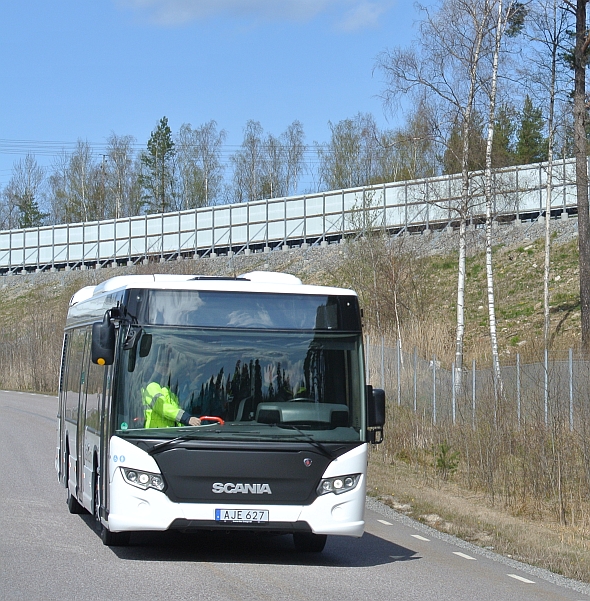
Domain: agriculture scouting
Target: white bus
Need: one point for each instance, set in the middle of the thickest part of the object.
(274, 372)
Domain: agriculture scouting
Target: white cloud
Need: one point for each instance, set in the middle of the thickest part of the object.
(176, 12)
(360, 13)
(362, 16)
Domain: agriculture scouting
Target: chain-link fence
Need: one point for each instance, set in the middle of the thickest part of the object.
(554, 390)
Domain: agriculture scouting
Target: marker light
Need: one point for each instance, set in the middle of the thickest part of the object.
(143, 480)
(338, 485)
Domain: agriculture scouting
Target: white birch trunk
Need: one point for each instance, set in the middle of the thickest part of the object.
(460, 332)
(498, 386)
(465, 203)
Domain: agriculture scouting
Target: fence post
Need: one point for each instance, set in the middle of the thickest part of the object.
(399, 372)
(434, 389)
(367, 366)
(571, 370)
(453, 389)
(473, 380)
(518, 403)
(382, 363)
(546, 387)
(415, 380)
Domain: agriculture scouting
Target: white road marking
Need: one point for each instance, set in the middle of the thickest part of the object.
(464, 556)
(521, 579)
(421, 537)
(386, 523)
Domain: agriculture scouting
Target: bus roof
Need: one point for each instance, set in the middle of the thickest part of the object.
(255, 281)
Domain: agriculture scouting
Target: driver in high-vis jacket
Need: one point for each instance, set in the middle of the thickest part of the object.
(161, 406)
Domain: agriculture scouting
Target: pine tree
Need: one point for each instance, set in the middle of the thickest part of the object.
(503, 152)
(29, 213)
(531, 145)
(157, 178)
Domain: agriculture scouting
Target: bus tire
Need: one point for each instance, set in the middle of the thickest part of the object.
(114, 539)
(95, 494)
(308, 542)
(108, 538)
(73, 505)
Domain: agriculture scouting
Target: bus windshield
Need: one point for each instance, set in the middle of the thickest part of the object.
(261, 384)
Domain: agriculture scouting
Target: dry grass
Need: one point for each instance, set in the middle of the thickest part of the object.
(448, 507)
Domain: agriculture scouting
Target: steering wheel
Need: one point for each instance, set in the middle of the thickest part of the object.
(212, 418)
(301, 399)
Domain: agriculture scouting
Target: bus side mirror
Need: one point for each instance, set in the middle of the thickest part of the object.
(103, 341)
(145, 345)
(375, 414)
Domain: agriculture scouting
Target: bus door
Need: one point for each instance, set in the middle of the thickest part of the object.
(73, 416)
(81, 423)
(60, 460)
(92, 404)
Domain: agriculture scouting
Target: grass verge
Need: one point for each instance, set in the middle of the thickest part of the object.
(564, 550)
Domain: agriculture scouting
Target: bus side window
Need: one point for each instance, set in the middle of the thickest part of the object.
(75, 373)
(94, 392)
(64, 354)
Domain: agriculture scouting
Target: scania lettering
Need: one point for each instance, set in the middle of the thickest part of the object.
(255, 489)
(203, 403)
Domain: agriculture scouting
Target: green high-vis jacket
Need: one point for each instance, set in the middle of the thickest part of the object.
(162, 409)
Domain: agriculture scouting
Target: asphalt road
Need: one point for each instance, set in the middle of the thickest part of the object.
(46, 553)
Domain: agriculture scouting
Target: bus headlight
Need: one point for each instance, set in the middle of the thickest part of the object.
(338, 484)
(143, 480)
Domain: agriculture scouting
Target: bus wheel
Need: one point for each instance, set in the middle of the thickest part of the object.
(308, 542)
(71, 501)
(73, 504)
(96, 497)
(114, 539)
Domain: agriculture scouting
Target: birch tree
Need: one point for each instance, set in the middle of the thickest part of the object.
(293, 141)
(497, 379)
(80, 184)
(445, 64)
(199, 162)
(509, 15)
(58, 188)
(267, 166)
(247, 164)
(356, 155)
(548, 33)
(282, 162)
(121, 177)
(414, 145)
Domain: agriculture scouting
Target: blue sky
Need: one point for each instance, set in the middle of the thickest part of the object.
(73, 69)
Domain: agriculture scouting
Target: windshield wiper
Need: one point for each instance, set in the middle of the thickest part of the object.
(162, 446)
(168, 444)
(323, 449)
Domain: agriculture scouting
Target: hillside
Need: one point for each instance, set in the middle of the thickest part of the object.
(518, 262)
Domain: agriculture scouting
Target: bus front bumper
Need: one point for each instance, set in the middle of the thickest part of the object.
(137, 510)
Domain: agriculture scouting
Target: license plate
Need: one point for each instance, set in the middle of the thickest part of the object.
(241, 516)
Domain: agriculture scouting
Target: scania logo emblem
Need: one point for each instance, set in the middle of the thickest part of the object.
(232, 489)
(307, 462)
